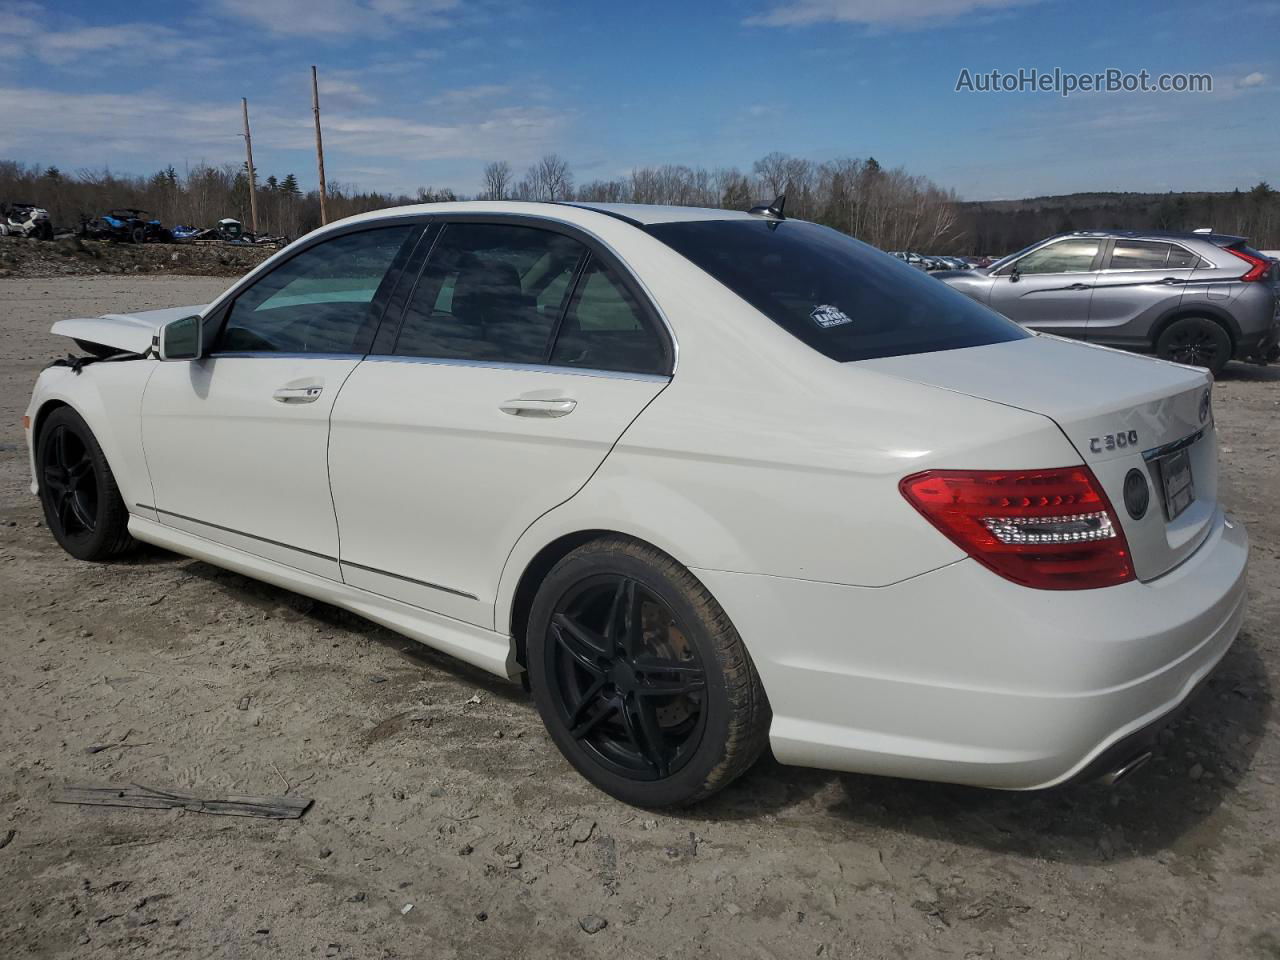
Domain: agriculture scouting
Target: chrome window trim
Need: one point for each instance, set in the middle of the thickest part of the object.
(523, 367)
(416, 216)
(1171, 243)
(283, 355)
(1007, 269)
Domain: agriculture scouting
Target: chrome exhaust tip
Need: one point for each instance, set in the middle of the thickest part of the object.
(1126, 768)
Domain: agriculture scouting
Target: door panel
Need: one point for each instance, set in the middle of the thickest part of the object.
(1142, 281)
(1050, 287)
(236, 442)
(437, 467)
(1125, 305)
(236, 450)
(1055, 303)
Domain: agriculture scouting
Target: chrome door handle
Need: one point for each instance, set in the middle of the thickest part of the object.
(1080, 286)
(297, 394)
(538, 408)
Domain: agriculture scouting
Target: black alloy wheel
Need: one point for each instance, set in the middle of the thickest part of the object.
(640, 677)
(628, 683)
(82, 504)
(72, 486)
(1197, 342)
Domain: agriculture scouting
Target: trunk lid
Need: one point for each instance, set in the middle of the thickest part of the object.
(130, 332)
(1120, 411)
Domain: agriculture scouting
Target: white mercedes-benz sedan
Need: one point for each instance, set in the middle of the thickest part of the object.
(703, 480)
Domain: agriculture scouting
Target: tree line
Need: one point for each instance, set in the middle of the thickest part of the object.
(890, 208)
(1004, 226)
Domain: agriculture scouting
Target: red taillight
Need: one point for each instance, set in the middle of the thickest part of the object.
(1259, 267)
(1050, 529)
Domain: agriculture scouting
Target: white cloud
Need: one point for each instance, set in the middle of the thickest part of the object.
(877, 13)
(341, 18)
(90, 129)
(1254, 79)
(139, 132)
(65, 46)
(467, 95)
(338, 92)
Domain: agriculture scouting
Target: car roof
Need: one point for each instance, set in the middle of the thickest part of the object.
(648, 213)
(1218, 239)
(583, 214)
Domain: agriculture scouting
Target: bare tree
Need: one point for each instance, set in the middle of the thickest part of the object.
(497, 180)
(550, 179)
(888, 207)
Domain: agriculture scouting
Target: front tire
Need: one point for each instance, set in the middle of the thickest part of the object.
(82, 504)
(1197, 342)
(641, 679)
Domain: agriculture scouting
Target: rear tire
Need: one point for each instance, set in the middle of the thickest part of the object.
(82, 504)
(641, 679)
(1197, 342)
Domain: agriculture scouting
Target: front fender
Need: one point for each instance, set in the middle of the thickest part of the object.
(109, 398)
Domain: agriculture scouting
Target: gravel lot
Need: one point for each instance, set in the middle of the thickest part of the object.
(435, 787)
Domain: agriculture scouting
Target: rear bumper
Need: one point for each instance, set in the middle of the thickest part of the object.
(960, 676)
(1260, 345)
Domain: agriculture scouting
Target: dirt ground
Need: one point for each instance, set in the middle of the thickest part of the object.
(68, 256)
(445, 823)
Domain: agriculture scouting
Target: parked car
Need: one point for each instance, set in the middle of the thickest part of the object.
(705, 480)
(1195, 298)
(25, 220)
(124, 223)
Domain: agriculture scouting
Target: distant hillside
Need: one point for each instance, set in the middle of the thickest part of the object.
(1001, 226)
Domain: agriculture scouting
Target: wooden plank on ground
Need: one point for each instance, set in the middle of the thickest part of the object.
(272, 808)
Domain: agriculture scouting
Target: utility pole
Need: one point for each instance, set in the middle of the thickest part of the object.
(248, 147)
(315, 109)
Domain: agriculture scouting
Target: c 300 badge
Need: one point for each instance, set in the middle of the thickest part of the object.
(1114, 441)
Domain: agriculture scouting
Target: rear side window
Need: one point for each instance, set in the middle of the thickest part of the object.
(1180, 257)
(1139, 255)
(605, 329)
(490, 292)
(843, 298)
(318, 301)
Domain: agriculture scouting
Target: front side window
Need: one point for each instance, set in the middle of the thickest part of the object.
(605, 329)
(319, 301)
(1065, 256)
(490, 292)
(840, 296)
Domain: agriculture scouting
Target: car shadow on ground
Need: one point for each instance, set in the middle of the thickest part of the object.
(259, 594)
(1198, 764)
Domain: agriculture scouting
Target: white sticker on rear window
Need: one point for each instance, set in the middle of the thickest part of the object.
(825, 315)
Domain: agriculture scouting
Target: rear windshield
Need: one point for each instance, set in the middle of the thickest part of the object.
(847, 300)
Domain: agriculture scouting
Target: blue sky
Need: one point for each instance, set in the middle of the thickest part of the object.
(425, 92)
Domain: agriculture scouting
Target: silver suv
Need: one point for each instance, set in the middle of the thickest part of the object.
(1198, 298)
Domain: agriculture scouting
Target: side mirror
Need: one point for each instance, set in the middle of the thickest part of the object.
(1014, 275)
(180, 339)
